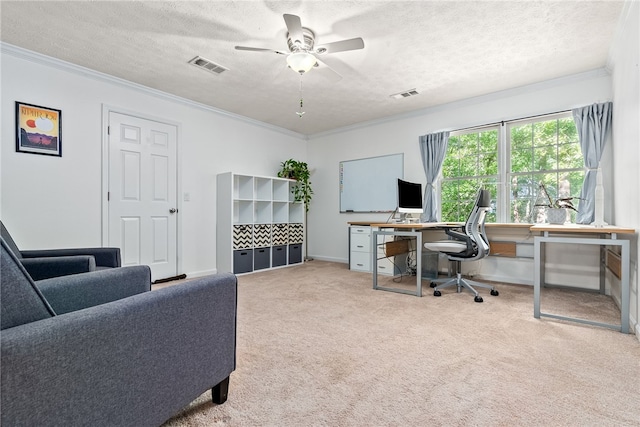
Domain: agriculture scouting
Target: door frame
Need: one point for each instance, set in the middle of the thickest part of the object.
(106, 110)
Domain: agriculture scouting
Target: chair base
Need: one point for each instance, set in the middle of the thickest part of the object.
(461, 283)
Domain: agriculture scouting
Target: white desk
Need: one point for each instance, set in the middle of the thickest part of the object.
(415, 230)
(584, 235)
(569, 233)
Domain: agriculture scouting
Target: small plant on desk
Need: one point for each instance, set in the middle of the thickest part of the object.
(556, 209)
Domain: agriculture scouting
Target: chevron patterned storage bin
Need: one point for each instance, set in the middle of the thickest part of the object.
(262, 235)
(296, 233)
(280, 234)
(242, 236)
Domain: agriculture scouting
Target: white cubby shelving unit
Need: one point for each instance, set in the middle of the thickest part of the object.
(258, 225)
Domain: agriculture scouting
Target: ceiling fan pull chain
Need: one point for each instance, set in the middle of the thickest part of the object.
(300, 113)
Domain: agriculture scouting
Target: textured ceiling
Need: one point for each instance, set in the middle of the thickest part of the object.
(446, 50)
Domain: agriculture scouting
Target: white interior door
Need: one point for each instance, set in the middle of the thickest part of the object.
(142, 206)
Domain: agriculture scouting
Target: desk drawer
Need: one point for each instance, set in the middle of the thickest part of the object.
(361, 230)
(360, 261)
(360, 243)
(386, 267)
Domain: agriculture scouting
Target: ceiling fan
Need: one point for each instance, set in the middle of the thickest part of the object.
(302, 53)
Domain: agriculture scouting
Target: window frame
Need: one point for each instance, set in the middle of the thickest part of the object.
(504, 149)
(476, 130)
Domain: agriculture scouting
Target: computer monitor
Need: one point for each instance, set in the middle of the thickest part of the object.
(409, 197)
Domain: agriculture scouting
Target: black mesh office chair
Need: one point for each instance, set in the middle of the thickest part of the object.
(467, 244)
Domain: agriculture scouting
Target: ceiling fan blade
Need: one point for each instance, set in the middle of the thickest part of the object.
(327, 71)
(341, 46)
(294, 26)
(260, 49)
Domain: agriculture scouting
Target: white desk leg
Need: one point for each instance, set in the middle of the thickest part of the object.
(374, 250)
(374, 258)
(419, 263)
(624, 300)
(603, 267)
(537, 265)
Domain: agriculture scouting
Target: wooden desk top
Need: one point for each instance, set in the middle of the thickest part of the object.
(425, 225)
(416, 225)
(557, 228)
(581, 228)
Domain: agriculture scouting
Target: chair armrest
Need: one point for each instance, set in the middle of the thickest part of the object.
(71, 293)
(135, 361)
(458, 235)
(45, 268)
(105, 257)
(462, 237)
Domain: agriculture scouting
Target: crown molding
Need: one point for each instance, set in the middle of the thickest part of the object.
(38, 58)
(534, 87)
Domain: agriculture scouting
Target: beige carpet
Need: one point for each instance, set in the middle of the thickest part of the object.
(317, 346)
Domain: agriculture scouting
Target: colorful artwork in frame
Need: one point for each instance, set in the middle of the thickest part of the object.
(38, 130)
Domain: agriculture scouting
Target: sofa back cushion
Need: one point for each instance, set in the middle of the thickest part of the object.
(20, 300)
(4, 233)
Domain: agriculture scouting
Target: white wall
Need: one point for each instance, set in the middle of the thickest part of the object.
(623, 61)
(56, 202)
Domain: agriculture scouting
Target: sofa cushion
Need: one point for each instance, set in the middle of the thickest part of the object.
(20, 300)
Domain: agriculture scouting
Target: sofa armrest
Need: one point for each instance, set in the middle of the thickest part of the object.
(135, 361)
(105, 257)
(71, 293)
(45, 268)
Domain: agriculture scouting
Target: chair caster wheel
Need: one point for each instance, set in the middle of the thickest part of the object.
(437, 293)
(433, 285)
(478, 299)
(494, 292)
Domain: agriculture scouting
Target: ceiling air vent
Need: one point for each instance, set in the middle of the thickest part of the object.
(405, 94)
(207, 65)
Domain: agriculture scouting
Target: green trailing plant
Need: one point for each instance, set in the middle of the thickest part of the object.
(299, 171)
(559, 203)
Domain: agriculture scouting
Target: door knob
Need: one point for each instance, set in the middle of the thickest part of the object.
(173, 210)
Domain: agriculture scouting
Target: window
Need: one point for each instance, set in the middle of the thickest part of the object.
(471, 162)
(537, 151)
(544, 152)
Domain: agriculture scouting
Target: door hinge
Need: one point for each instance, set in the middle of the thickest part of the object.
(108, 130)
(108, 195)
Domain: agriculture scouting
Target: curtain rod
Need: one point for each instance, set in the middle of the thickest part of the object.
(510, 120)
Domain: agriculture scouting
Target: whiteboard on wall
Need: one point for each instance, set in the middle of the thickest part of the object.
(371, 184)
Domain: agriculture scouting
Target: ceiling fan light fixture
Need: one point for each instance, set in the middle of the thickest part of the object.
(301, 62)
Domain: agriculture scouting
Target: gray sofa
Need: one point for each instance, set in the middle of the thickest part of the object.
(47, 263)
(101, 349)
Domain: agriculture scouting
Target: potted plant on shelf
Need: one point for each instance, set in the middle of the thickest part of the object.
(556, 209)
(299, 171)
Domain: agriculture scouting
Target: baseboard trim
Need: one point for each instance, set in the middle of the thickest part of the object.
(330, 259)
(169, 279)
(202, 273)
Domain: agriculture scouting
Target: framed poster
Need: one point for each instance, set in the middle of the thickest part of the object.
(38, 130)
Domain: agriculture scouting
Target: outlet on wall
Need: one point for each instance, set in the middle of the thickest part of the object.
(186, 197)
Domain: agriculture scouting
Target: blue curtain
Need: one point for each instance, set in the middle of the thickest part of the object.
(594, 125)
(433, 147)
